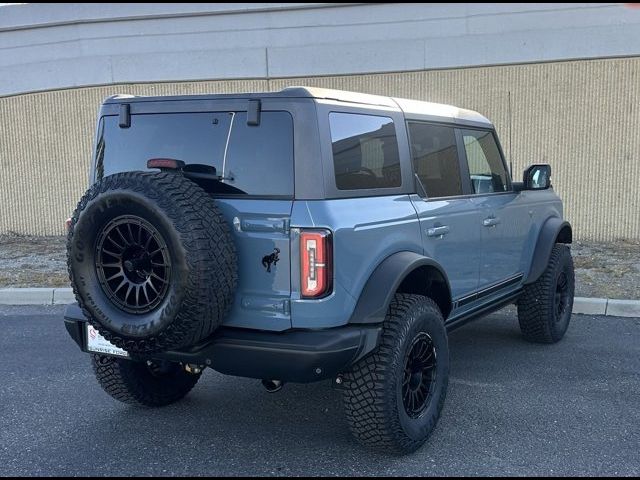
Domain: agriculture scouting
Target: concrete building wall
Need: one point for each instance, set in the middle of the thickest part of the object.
(47, 46)
(581, 115)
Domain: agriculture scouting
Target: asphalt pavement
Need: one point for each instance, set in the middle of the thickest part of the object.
(513, 408)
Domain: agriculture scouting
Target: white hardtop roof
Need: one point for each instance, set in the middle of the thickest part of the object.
(409, 107)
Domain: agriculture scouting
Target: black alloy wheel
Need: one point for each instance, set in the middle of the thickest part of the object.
(419, 375)
(133, 264)
(562, 296)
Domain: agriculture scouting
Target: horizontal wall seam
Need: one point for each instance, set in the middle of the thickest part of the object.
(282, 8)
(169, 16)
(320, 76)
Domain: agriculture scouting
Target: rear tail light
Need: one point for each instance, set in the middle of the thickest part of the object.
(316, 263)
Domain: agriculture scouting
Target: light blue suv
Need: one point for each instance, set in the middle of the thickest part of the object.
(304, 235)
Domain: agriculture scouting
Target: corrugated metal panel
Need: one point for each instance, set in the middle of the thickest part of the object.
(583, 117)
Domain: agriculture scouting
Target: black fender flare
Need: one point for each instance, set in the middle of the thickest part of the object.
(376, 296)
(553, 230)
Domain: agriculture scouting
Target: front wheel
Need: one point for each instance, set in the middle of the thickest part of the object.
(544, 309)
(143, 383)
(393, 397)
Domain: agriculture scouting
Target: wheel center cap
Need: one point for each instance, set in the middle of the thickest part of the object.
(138, 265)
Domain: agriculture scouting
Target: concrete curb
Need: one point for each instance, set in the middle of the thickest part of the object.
(590, 306)
(36, 296)
(607, 306)
(63, 296)
(26, 296)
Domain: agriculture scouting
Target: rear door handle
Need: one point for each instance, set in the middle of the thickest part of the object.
(438, 231)
(491, 222)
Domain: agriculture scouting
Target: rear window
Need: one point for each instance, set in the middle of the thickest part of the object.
(254, 160)
(365, 151)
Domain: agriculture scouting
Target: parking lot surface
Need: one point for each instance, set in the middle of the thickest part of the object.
(513, 408)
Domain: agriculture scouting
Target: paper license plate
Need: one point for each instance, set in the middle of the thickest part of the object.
(98, 344)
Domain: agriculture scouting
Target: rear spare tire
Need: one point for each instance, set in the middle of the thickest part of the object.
(151, 261)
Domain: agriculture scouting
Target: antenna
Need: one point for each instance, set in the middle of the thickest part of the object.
(510, 130)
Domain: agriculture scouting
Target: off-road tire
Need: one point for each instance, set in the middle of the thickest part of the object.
(199, 245)
(372, 388)
(538, 315)
(134, 383)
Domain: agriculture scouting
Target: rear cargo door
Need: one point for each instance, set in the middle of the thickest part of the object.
(258, 163)
(255, 191)
(261, 233)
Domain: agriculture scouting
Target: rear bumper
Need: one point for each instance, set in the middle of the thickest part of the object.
(292, 356)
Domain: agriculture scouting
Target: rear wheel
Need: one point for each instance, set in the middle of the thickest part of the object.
(393, 397)
(143, 383)
(544, 309)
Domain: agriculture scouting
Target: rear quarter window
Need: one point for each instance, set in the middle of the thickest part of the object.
(365, 151)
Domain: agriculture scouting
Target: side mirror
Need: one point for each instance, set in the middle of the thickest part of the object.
(536, 177)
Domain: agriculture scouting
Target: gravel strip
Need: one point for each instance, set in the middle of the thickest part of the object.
(607, 270)
(27, 261)
(603, 270)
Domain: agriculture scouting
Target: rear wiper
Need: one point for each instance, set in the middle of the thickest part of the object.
(204, 172)
(191, 170)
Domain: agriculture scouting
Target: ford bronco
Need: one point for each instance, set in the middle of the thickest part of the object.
(304, 235)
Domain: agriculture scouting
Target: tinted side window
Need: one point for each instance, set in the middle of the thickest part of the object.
(435, 159)
(486, 168)
(365, 151)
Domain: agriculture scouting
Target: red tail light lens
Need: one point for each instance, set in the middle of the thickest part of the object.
(316, 263)
(163, 163)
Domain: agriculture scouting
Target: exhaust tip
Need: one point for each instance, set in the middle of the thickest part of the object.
(272, 386)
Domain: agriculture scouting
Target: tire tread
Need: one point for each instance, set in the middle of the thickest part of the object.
(535, 314)
(123, 380)
(370, 412)
(211, 257)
